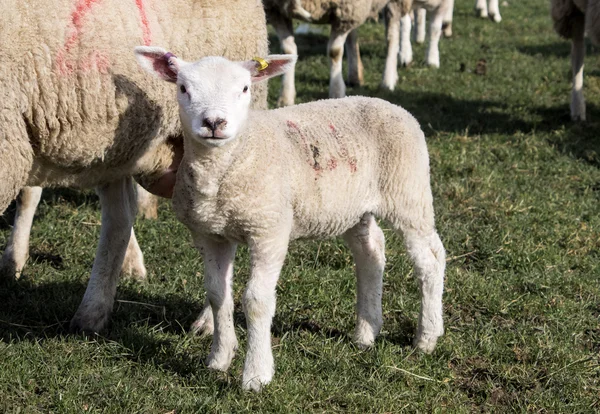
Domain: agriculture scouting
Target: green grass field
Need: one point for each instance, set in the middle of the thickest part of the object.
(517, 197)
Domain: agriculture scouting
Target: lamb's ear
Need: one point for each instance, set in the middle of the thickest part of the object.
(273, 65)
(158, 62)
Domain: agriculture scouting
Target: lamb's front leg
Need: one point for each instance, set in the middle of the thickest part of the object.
(392, 33)
(266, 258)
(335, 50)
(285, 31)
(218, 276)
(435, 32)
(577, 57)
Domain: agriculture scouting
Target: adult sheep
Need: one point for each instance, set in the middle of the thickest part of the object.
(572, 19)
(76, 111)
(344, 16)
(317, 170)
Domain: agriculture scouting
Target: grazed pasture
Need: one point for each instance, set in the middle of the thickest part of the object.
(517, 189)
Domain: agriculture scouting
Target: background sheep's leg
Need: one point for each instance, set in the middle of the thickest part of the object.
(118, 212)
(481, 8)
(494, 11)
(17, 250)
(285, 32)
(420, 20)
(355, 65)
(147, 203)
(218, 278)
(204, 325)
(406, 54)
(335, 50)
(367, 243)
(447, 23)
(266, 259)
(577, 57)
(429, 257)
(435, 32)
(392, 33)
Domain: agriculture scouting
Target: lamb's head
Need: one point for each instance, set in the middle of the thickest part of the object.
(213, 93)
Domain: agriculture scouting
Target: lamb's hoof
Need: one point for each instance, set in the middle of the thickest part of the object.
(285, 101)
(9, 270)
(134, 270)
(496, 18)
(447, 29)
(425, 343)
(90, 319)
(482, 13)
(204, 325)
(255, 383)
(220, 361)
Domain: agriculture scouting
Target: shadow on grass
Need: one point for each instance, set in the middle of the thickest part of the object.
(556, 49)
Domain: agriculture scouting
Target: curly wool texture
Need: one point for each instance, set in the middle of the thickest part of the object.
(75, 108)
(327, 163)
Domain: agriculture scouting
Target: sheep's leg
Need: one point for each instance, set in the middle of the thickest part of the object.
(420, 31)
(481, 8)
(447, 23)
(147, 203)
(118, 212)
(218, 277)
(406, 54)
(494, 11)
(577, 57)
(133, 263)
(266, 259)
(335, 50)
(17, 250)
(429, 257)
(367, 243)
(355, 65)
(285, 32)
(435, 32)
(392, 33)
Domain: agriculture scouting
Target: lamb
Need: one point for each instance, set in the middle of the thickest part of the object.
(487, 9)
(344, 16)
(75, 112)
(316, 170)
(572, 19)
(398, 28)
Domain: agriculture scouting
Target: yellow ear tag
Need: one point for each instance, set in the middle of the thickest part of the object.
(261, 62)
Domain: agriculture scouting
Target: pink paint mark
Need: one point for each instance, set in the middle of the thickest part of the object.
(332, 164)
(97, 60)
(311, 152)
(344, 154)
(147, 36)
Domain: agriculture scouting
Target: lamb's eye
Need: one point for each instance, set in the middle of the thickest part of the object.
(245, 88)
(182, 89)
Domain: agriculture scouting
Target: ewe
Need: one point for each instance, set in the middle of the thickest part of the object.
(573, 18)
(316, 170)
(76, 111)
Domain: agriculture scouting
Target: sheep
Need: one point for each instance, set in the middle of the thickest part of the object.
(572, 19)
(487, 9)
(398, 28)
(344, 16)
(76, 112)
(316, 170)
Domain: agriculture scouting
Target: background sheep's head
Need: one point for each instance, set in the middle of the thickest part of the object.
(213, 93)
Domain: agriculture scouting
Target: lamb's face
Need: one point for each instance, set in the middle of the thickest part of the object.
(214, 98)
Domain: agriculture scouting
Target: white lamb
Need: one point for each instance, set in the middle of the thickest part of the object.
(316, 170)
(572, 19)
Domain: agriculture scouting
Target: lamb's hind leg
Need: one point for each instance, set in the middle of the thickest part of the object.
(427, 252)
(218, 277)
(17, 250)
(285, 32)
(367, 243)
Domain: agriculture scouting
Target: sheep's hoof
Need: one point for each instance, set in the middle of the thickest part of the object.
(221, 361)
(256, 383)
(425, 343)
(496, 18)
(90, 319)
(9, 271)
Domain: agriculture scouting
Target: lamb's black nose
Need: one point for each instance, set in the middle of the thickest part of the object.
(214, 124)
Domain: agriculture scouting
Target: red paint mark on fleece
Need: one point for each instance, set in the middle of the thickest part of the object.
(344, 154)
(147, 36)
(96, 60)
(332, 164)
(308, 151)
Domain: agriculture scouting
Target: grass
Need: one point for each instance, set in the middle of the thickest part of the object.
(517, 191)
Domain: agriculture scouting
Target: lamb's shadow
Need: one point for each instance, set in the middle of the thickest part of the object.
(556, 49)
